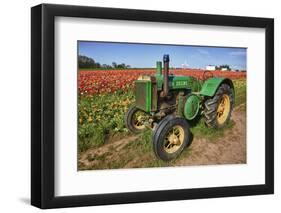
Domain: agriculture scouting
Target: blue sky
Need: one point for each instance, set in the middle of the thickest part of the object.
(146, 55)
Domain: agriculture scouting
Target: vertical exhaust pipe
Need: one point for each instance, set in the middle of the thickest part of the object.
(166, 60)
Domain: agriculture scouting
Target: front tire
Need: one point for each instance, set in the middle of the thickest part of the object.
(170, 137)
(217, 110)
(135, 119)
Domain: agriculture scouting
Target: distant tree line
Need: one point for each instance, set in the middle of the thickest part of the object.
(226, 66)
(89, 63)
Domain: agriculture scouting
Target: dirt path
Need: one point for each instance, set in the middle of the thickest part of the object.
(127, 153)
(230, 149)
(91, 157)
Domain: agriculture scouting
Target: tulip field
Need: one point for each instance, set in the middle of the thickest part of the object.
(104, 97)
(91, 82)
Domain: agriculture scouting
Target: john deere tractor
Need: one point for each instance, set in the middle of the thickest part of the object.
(167, 103)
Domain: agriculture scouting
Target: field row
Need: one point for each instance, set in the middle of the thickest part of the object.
(92, 82)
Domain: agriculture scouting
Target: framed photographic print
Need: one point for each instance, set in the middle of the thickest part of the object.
(139, 106)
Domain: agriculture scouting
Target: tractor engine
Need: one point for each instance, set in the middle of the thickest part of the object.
(162, 93)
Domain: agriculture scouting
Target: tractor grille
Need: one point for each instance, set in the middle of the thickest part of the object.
(143, 95)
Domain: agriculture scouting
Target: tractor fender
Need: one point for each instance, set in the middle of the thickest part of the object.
(211, 85)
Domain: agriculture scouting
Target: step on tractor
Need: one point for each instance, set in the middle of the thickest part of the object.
(168, 103)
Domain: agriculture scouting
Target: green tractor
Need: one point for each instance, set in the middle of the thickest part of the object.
(167, 103)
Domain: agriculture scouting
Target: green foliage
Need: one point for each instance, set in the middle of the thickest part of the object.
(240, 92)
(85, 62)
(143, 144)
(226, 66)
(90, 136)
(201, 130)
(101, 116)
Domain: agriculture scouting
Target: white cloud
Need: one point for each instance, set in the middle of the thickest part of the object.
(237, 53)
(204, 52)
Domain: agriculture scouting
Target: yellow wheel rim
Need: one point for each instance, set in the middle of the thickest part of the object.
(138, 120)
(223, 109)
(174, 139)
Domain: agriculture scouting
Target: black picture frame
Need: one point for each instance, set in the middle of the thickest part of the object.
(43, 105)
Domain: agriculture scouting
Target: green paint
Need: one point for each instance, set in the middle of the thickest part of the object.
(143, 95)
(191, 107)
(180, 108)
(159, 67)
(148, 97)
(210, 86)
(179, 82)
(196, 86)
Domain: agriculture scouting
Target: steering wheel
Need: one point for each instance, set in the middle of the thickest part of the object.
(206, 75)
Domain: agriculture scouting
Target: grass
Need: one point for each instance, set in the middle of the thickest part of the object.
(240, 92)
(101, 121)
(200, 130)
(101, 117)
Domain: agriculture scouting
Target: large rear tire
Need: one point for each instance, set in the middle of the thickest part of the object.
(217, 110)
(170, 137)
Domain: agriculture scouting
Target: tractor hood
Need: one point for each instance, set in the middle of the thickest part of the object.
(179, 82)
